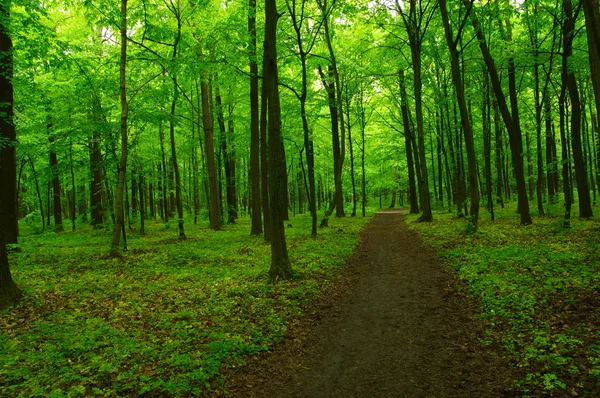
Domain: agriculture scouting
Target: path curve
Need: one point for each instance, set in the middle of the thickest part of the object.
(392, 326)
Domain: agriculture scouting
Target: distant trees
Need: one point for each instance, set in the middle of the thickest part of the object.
(436, 109)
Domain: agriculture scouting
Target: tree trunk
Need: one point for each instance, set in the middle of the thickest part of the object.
(464, 116)
(415, 49)
(214, 200)
(512, 123)
(73, 207)
(264, 160)
(8, 135)
(96, 187)
(350, 145)
(255, 187)
(119, 213)
(336, 87)
(329, 84)
(583, 191)
(178, 198)
(412, 187)
(56, 205)
(280, 264)
(9, 292)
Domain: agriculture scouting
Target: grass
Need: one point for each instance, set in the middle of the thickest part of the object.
(538, 292)
(165, 318)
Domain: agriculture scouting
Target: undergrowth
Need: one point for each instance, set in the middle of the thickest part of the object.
(537, 290)
(163, 319)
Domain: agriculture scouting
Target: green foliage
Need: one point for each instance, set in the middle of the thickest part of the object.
(165, 318)
(537, 290)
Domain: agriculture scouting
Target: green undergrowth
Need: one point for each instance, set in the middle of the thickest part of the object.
(165, 318)
(538, 293)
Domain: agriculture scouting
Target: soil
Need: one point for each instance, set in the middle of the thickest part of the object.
(394, 324)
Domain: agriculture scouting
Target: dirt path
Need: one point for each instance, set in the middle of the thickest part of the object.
(393, 326)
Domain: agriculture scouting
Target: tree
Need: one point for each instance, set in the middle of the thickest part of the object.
(334, 90)
(298, 22)
(209, 147)
(464, 114)
(511, 121)
(255, 203)
(583, 191)
(8, 138)
(416, 24)
(119, 210)
(281, 267)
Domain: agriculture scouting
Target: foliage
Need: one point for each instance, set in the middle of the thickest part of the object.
(537, 290)
(165, 318)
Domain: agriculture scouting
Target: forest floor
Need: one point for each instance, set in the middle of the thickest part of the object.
(393, 325)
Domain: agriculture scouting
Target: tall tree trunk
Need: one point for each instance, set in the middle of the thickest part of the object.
(592, 24)
(538, 123)
(412, 187)
(264, 161)
(583, 191)
(38, 191)
(214, 199)
(329, 84)
(338, 104)
(142, 205)
(58, 227)
(464, 116)
(119, 213)
(74, 196)
(164, 178)
(414, 38)
(280, 264)
(178, 198)
(550, 150)
(511, 121)
(8, 152)
(487, 141)
(566, 163)
(227, 160)
(96, 187)
(255, 187)
(350, 145)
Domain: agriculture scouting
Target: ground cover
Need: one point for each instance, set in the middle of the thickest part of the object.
(165, 318)
(538, 293)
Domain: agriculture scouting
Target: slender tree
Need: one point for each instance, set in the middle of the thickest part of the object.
(464, 114)
(119, 209)
(416, 24)
(512, 123)
(255, 204)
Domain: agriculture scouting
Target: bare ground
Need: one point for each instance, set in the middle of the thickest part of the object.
(393, 325)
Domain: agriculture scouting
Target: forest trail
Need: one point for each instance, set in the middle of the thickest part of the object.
(392, 326)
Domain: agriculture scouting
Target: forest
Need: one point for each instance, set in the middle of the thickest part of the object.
(183, 182)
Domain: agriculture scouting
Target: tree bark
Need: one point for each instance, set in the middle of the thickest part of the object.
(583, 191)
(119, 213)
(207, 117)
(255, 187)
(280, 264)
(8, 135)
(56, 205)
(412, 187)
(329, 84)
